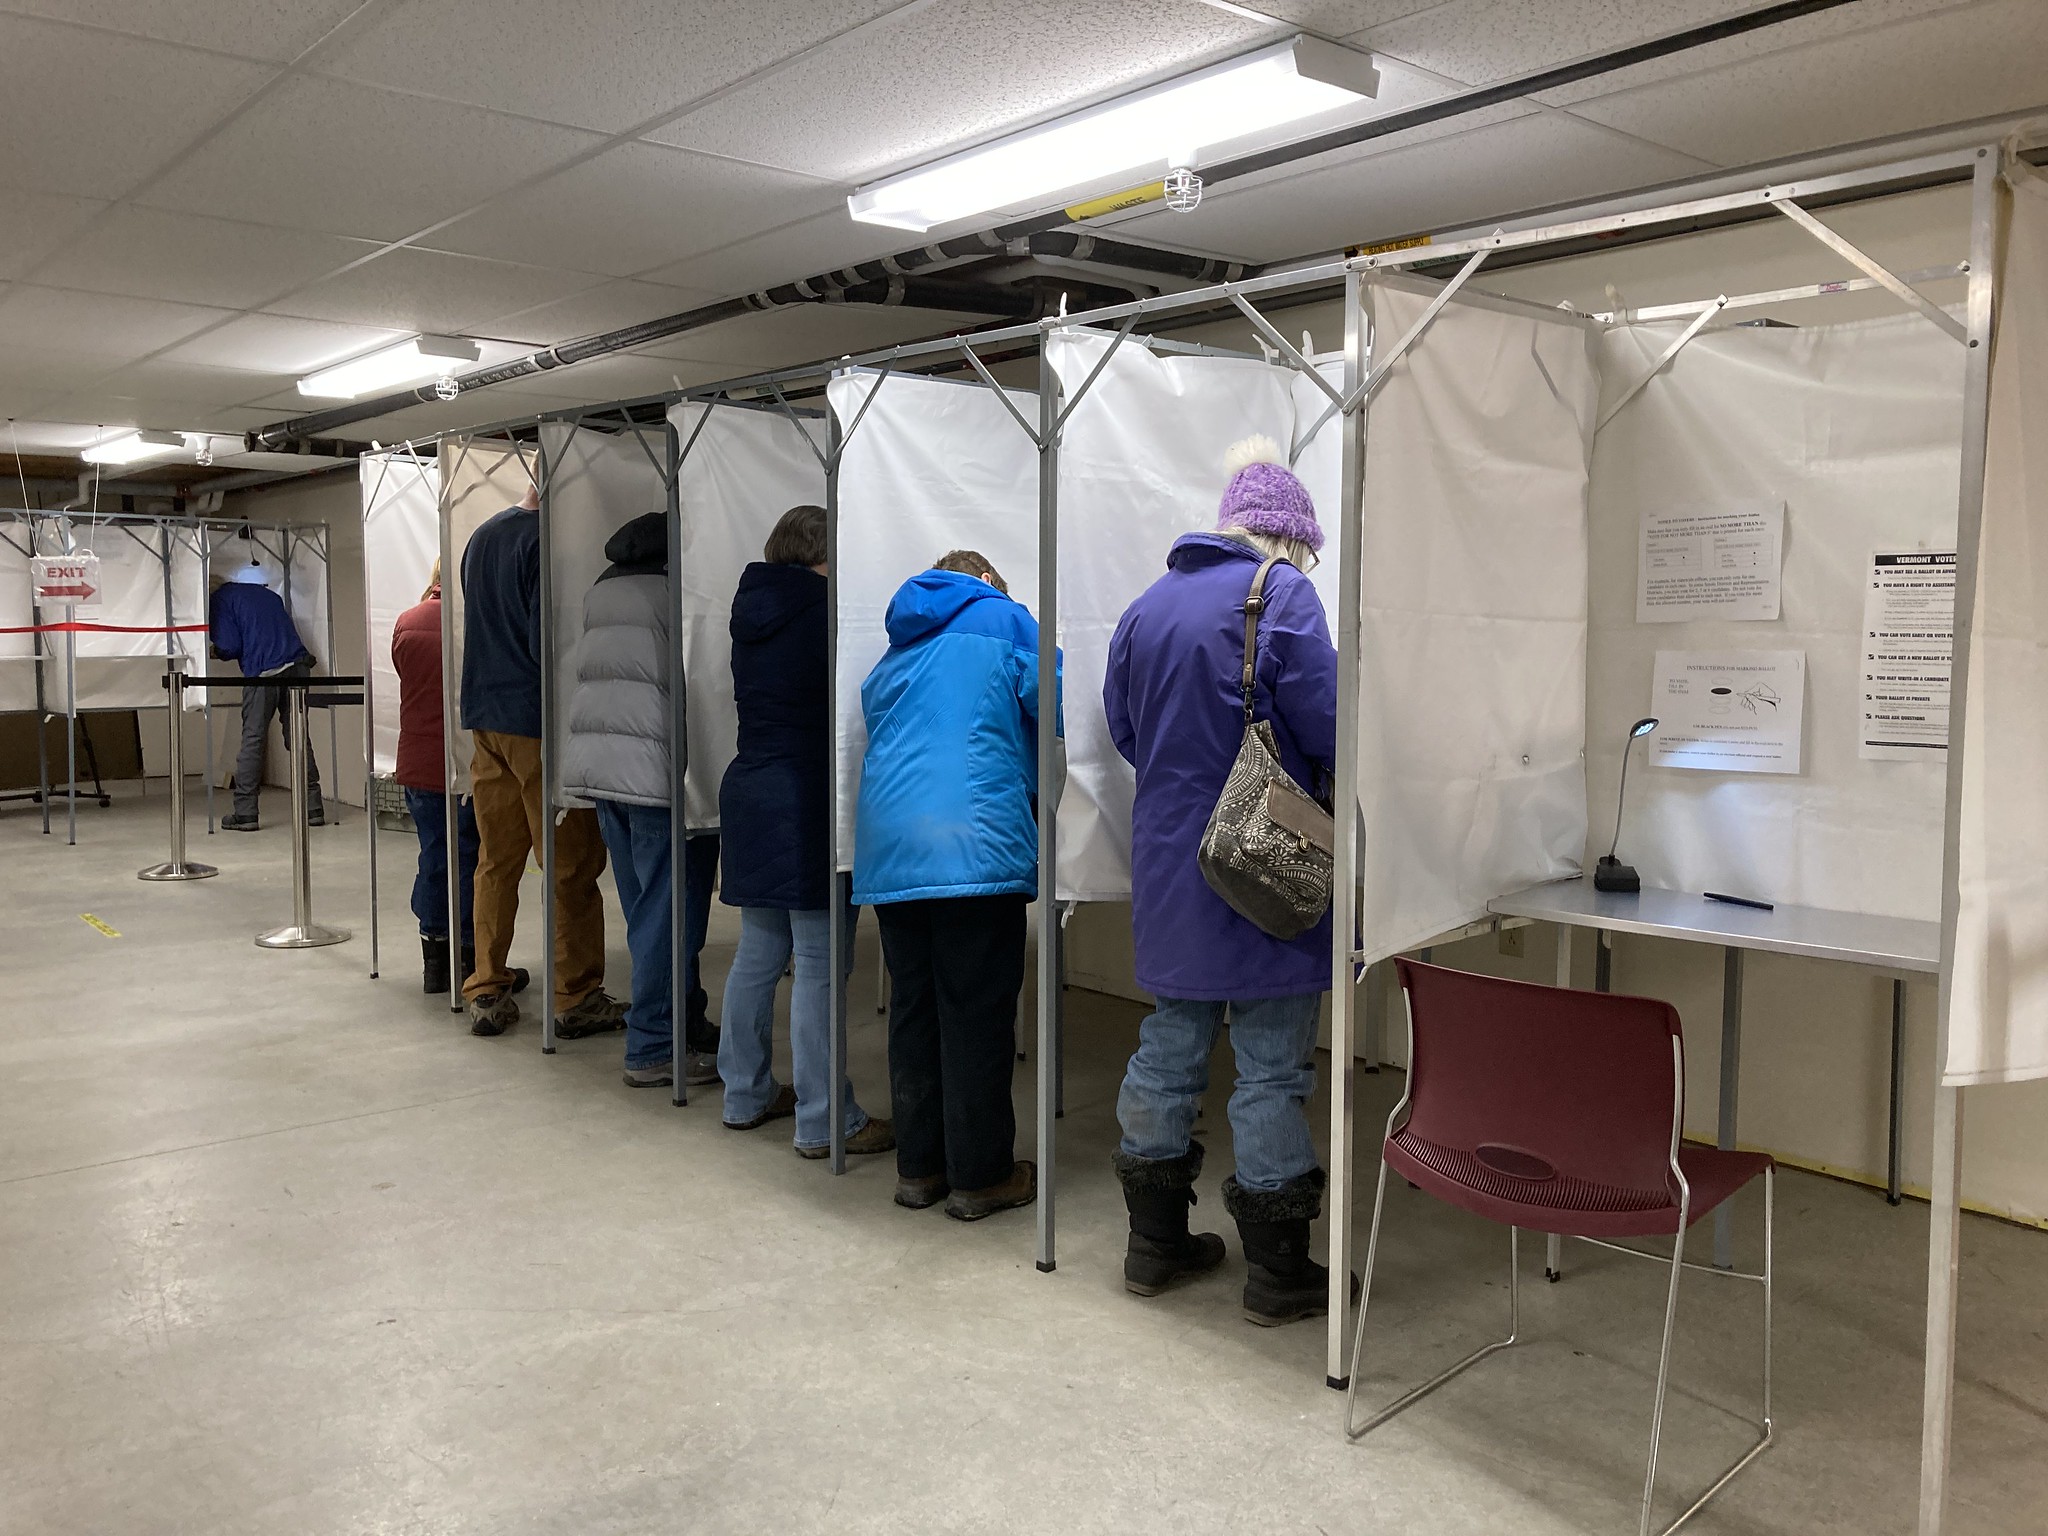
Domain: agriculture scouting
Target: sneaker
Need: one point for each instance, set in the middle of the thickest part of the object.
(875, 1136)
(660, 1075)
(1020, 1188)
(316, 817)
(492, 1013)
(598, 1014)
(700, 1070)
(922, 1194)
(781, 1107)
(236, 822)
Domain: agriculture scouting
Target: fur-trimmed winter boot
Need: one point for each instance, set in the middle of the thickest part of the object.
(1282, 1283)
(1158, 1192)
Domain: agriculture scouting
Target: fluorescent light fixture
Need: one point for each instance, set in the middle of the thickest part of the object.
(410, 362)
(1159, 128)
(134, 448)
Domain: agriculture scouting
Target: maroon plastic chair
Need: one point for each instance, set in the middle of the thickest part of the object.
(1559, 1111)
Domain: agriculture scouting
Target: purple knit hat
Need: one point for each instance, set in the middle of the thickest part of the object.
(1263, 495)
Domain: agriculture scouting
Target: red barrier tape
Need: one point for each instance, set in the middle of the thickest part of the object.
(75, 627)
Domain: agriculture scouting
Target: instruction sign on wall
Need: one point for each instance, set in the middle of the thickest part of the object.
(68, 581)
(1909, 637)
(1730, 711)
(1718, 561)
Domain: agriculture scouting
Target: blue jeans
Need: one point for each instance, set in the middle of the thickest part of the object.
(636, 837)
(429, 809)
(768, 937)
(1274, 1041)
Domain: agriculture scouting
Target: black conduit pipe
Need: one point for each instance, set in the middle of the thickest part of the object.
(852, 284)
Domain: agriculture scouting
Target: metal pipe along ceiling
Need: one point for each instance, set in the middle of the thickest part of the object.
(1050, 234)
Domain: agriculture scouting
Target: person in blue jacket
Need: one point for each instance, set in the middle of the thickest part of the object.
(248, 624)
(946, 852)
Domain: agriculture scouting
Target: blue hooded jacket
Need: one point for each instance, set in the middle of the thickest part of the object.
(949, 788)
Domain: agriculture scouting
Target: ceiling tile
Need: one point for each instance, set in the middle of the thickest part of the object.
(1478, 41)
(277, 344)
(607, 307)
(1911, 75)
(31, 377)
(32, 224)
(94, 324)
(348, 160)
(824, 243)
(48, 436)
(162, 379)
(597, 66)
(1342, 18)
(941, 78)
(634, 207)
(1837, 21)
(90, 115)
(277, 30)
(422, 290)
(148, 253)
(1528, 162)
(118, 408)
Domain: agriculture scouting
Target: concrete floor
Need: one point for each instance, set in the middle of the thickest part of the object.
(285, 1250)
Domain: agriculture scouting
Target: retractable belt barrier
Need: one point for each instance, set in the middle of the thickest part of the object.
(301, 932)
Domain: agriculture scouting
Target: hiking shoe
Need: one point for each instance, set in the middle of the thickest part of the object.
(236, 822)
(1020, 1188)
(492, 1013)
(875, 1136)
(660, 1075)
(921, 1194)
(316, 817)
(781, 1107)
(598, 1014)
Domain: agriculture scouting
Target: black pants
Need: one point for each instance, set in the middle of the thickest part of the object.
(955, 969)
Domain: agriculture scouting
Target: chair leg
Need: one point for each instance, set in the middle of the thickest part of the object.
(1409, 1399)
(1663, 1370)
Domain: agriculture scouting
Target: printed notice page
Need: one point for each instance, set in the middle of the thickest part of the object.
(1710, 562)
(1730, 711)
(1909, 635)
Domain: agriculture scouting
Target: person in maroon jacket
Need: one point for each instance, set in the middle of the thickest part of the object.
(423, 773)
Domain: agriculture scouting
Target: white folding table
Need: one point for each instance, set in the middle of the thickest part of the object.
(1884, 943)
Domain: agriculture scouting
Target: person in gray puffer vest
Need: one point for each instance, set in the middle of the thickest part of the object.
(618, 756)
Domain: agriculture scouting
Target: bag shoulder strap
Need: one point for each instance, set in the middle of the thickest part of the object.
(1254, 605)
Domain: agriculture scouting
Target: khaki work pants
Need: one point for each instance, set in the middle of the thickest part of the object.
(505, 779)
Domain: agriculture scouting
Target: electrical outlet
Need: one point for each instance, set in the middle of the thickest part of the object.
(1514, 942)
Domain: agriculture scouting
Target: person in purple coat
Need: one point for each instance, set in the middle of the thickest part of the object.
(1172, 694)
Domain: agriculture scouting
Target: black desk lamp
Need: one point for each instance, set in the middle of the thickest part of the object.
(1610, 874)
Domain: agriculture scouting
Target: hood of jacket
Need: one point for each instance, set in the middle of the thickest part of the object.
(931, 600)
(1201, 551)
(640, 548)
(770, 596)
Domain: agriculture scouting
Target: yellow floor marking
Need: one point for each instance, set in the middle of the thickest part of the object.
(92, 922)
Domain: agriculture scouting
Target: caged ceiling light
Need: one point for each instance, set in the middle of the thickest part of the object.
(1162, 128)
(410, 362)
(134, 448)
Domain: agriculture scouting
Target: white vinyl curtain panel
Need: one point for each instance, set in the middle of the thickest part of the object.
(1472, 643)
(480, 477)
(401, 542)
(743, 466)
(121, 665)
(1141, 463)
(1855, 428)
(1998, 1018)
(17, 615)
(934, 466)
(597, 483)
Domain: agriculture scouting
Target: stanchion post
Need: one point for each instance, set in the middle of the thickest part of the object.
(302, 932)
(176, 867)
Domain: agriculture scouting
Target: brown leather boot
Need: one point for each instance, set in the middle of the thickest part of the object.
(1020, 1188)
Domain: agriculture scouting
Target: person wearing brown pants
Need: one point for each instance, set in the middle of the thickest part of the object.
(505, 781)
(501, 672)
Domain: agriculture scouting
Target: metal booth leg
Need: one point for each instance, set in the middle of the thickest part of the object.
(1891, 1181)
(1731, 1087)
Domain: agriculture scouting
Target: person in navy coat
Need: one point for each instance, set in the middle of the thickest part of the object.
(774, 812)
(1172, 693)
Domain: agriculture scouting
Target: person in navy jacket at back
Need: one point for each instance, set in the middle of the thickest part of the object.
(946, 851)
(248, 624)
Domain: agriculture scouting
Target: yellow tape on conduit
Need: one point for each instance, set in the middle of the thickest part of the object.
(92, 922)
(1116, 202)
(1405, 243)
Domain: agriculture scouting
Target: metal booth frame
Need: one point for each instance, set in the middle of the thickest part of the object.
(1365, 369)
